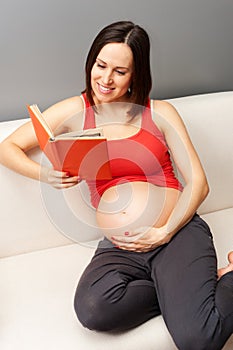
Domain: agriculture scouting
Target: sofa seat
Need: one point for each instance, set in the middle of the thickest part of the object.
(36, 293)
(37, 290)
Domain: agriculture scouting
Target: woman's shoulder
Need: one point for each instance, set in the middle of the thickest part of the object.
(65, 108)
(165, 110)
(162, 106)
(70, 105)
(66, 113)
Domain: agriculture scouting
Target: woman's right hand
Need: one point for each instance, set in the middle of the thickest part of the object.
(58, 179)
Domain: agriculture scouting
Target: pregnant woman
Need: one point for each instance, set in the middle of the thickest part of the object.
(157, 256)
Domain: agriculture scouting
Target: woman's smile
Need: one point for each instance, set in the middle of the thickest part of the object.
(104, 89)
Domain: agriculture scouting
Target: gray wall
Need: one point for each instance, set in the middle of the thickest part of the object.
(43, 47)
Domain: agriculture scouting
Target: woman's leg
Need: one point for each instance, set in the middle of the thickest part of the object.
(115, 291)
(197, 309)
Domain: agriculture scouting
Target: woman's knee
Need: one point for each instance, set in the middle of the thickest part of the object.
(92, 311)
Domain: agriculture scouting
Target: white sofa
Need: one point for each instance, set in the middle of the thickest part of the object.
(41, 261)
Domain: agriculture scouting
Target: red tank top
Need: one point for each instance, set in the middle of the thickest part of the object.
(141, 157)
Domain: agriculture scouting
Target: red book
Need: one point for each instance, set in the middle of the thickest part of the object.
(82, 153)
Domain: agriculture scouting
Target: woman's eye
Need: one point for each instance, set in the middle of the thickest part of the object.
(100, 65)
(120, 72)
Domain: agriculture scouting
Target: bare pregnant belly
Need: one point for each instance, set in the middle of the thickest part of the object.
(132, 205)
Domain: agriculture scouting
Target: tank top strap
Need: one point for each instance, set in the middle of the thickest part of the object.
(149, 124)
(89, 115)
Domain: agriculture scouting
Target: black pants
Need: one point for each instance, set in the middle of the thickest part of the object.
(120, 290)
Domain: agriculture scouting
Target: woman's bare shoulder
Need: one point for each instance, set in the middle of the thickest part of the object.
(65, 115)
(162, 106)
(165, 111)
(67, 107)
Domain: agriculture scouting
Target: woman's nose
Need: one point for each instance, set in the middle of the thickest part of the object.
(107, 77)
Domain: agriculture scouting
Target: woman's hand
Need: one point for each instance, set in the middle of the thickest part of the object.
(142, 239)
(59, 179)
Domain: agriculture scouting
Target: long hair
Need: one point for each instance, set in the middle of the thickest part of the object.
(138, 41)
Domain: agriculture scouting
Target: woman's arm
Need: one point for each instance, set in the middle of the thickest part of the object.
(188, 163)
(13, 150)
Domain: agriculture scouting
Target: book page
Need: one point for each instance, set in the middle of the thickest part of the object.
(82, 134)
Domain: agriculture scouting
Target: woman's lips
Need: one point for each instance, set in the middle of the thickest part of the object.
(104, 89)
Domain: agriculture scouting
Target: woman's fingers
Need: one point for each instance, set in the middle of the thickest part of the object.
(59, 179)
(147, 238)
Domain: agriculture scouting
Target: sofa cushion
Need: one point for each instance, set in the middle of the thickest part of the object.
(209, 120)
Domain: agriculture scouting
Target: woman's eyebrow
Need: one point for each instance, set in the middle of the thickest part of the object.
(99, 59)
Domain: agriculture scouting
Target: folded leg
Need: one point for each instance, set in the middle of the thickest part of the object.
(115, 292)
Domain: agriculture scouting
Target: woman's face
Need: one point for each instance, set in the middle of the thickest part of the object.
(111, 74)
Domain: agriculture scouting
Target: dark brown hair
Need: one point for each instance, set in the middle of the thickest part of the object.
(138, 41)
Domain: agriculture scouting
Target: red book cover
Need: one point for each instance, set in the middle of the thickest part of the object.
(82, 153)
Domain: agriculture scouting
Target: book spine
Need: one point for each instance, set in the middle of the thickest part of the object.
(52, 154)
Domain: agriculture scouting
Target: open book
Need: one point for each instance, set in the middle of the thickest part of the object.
(82, 153)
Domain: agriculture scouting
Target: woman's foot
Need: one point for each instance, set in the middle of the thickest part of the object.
(228, 268)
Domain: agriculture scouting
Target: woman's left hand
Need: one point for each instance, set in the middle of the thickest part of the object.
(142, 239)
